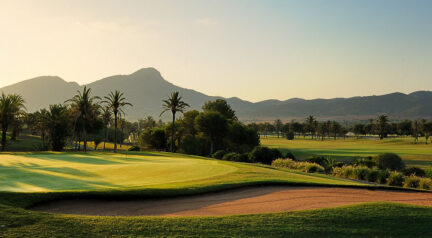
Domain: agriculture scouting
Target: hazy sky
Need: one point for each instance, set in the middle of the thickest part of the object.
(254, 50)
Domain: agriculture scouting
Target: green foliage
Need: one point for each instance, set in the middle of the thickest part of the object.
(372, 175)
(221, 106)
(154, 139)
(262, 154)
(290, 155)
(389, 161)
(428, 172)
(302, 166)
(290, 135)
(219, 154)
(368, 162)
(58, 123)
(425, 183)
(395, 179)
(112, 135)
(383, 176)
(213, 125)
(414, 171)
(194, 145)
(411, 181)
(231, 157)
(241, 138)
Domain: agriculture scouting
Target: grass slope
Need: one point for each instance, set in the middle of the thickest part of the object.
(413, 154)
(67, 171)
(364, 220)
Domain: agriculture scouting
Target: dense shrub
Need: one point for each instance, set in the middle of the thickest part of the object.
(372, 175)
(428, 172)
(318, 160)
(290, 135)
(382, 176)
(289, 155)
(134, 148)
(414, 171)
(389, 161)
(262, 154)
(395, 179)
(244, 157)
(411, 181)
(276, 153)
(368, 162)
(231, 156)
(303, 166)
(154, 139)
(425, 183)
(219, 154)
(194, 146)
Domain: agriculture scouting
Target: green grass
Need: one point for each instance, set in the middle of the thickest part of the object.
(68, 171)
(418, 154)
(364, 220)
(46, 176)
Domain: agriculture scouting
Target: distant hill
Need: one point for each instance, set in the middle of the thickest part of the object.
(146, 88)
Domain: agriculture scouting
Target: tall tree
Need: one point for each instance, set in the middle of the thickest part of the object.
(212, 124)
(106, 115)
(310, 125)
(11, 106)
(221, 106)
(58, 124)
(278, 126)
(84, 105)
(174, 104)
(382, 126)
(116, 101)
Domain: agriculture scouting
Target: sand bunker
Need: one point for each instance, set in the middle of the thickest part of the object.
(239, 201)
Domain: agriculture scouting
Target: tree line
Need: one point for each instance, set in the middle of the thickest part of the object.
(86, 117)
(381, 127)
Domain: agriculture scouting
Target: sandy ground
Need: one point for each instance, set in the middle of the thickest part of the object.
(240, 201)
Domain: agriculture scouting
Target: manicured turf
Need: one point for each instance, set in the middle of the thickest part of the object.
(418, 154)
(46, 176)
(60, 171)
(366, 220)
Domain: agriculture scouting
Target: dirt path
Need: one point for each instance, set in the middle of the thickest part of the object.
(240, 201)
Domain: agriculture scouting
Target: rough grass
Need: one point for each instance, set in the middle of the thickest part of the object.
(364, 220)
(418, 154)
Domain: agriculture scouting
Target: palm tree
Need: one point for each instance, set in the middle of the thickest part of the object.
(83, 103)
(174, 104)
(11, 106)
(106, 118)
(116, 102)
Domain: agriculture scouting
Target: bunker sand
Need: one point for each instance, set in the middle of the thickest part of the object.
(240, 201)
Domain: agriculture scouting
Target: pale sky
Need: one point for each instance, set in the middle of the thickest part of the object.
(254, 50)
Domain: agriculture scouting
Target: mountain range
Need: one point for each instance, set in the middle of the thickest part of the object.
(146, 88)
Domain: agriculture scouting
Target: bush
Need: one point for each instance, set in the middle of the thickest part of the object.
(218, 154)
(290, 135)
(318, 160)
(395, 179)
(368, 162)
(382, 176)
(244, 158)
(262, 154)
(428, 172)
(290, 155)
(372, 175)
(425, 183)
(414, 171)
(389, 161)
(134, 148)
(303, 166)
(230, 156)
(276, 153)
(411, 181)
